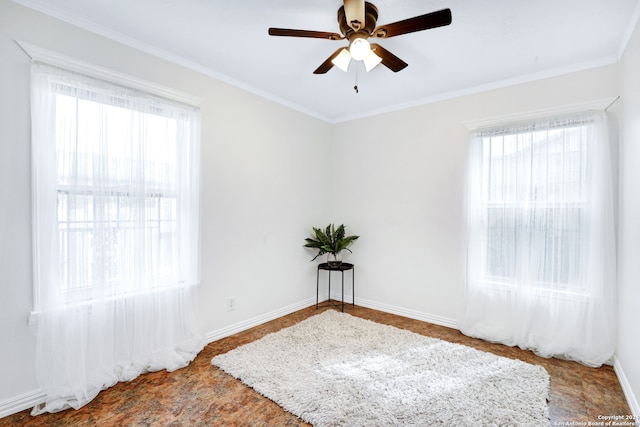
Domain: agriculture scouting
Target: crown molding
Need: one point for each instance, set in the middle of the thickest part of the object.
(631, 27)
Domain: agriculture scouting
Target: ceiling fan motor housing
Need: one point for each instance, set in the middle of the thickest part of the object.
(365, 29)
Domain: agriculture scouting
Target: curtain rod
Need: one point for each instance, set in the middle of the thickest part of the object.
(612, 102)
(598, 104)
(37, 53)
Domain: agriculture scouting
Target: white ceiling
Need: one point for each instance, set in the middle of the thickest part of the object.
(489, 44)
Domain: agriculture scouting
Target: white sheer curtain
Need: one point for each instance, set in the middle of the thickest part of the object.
(541, 242)
(116, 219)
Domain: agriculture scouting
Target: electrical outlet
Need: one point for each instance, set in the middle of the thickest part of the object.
(231, 303)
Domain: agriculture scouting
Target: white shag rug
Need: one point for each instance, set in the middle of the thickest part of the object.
(334, 369)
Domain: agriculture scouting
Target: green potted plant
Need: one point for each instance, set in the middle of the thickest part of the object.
(331, 241)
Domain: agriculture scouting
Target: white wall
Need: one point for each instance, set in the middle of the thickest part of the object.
(399, 183)
(262, 178)
(629, 222)
(395, 179)
(17, 344)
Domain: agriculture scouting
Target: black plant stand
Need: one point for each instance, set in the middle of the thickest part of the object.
(342, 267)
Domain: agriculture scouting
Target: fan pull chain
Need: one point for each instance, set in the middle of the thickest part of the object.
(356, 85)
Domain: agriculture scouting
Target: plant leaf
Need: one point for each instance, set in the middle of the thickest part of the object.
(330, 240)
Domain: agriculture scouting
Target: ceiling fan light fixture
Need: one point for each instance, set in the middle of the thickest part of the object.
(342, 60)
(359, 49)
(371, 60)
(357, 20)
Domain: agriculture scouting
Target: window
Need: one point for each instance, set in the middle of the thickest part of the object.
(541, 240)
(123, 177)
(534, 200)
(115, 225)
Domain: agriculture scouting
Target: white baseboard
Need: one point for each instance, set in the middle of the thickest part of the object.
(626, 388)
(400, 311)
(259, 320)
(20, 403)
(411, 314)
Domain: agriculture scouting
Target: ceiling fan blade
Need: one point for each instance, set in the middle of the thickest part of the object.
(418, 23)
(389, 60)
(327, 65)
(286, 32)
(354, 11)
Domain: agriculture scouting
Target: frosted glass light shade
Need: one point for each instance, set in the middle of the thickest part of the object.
(371, 60)
(342, 60)
(359, 49)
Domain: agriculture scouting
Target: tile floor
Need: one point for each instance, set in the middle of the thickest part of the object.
(203, 395)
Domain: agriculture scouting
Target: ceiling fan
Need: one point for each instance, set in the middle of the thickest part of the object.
(357, 20)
